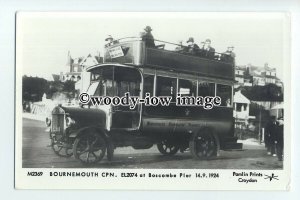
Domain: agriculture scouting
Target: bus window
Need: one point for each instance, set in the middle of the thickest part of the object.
(104, 81)
(109, 86)
(187, 88)
(166, 86)
(206, 89)
(113, 80)
(126, 86)
(127, 80)
(225, 92)
(148, 84)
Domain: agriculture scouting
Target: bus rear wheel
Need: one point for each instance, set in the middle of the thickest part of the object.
(203, 145)
(166, 147)
(90, 148)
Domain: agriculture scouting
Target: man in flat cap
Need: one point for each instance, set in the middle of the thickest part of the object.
(148, 37)
(109, 41)
(192, 46)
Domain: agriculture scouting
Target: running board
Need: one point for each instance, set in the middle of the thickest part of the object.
(233, 145)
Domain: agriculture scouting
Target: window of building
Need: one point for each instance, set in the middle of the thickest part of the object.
(206, 89)
(225, 92)
(239, 107)
(166, 86)
(187, 87)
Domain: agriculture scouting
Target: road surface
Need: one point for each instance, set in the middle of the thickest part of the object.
(36, 153)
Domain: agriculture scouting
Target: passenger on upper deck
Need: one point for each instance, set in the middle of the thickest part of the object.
(202, 45)
(148, 37)
(110, 41)
(192, 47)
(202, 51)
(210, 51)
(180, 47)
(228, 55)
(232, 54)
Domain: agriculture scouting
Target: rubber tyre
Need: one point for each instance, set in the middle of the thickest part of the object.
(166, 147)
(204, 145)
(90, 148)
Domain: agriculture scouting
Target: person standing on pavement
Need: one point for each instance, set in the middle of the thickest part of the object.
(273, 136)
(267, 136)
(279, 139)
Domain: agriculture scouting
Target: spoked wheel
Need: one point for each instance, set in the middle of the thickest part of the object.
(89, 148)
(61, 148)
(203, 145)
(167, 148)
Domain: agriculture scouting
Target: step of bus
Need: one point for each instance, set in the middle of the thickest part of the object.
(233, 145)
(230, 139)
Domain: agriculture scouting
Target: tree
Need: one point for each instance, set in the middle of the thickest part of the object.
(69, 88)
(33, 88)
(270, 92)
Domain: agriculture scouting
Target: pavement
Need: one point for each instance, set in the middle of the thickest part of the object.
(27, 115)
(36, 153)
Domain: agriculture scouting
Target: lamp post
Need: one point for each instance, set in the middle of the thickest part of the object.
(259, 125)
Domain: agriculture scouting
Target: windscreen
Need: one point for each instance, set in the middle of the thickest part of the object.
(115, 81)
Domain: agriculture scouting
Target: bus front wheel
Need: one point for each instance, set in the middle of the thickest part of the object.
(204, 145)
(90, 148)
(61, 148)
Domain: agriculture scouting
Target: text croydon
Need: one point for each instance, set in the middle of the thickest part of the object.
(208, 102)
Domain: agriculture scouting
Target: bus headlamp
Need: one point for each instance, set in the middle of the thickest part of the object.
(69, 121)
(48, 121)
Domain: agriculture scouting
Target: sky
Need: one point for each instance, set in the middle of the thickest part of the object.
(44, 39)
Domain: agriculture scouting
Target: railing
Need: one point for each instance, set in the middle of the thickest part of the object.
(199, 52)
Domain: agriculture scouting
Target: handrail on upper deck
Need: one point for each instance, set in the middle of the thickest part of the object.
(197, 52)
(138, 38)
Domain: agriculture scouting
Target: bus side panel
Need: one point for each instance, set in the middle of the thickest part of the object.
(187, 119)
(188, 63)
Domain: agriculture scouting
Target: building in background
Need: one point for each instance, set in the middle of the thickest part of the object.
(241, 109)
(75, 70)
(277, 110)
(240, 75)
(249, 75)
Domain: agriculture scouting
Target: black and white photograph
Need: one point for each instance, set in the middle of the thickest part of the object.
(155, 97)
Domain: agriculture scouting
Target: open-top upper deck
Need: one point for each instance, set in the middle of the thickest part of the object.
(133, 51)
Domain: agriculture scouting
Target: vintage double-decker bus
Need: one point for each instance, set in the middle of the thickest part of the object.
(92, 131)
